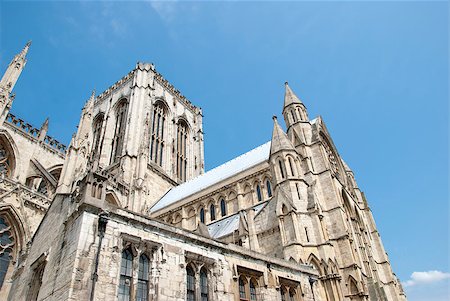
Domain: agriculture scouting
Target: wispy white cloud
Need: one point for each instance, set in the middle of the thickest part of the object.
(167, 10)
(419, 278)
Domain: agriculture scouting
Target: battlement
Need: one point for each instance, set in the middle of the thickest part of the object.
(33, 133)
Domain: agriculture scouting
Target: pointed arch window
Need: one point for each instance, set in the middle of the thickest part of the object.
(281, 166)
(253, 286)
(97, 129)
(142, 285)
(223, 208)
(190, 287)
(258, 193)
(283, 294)
(6, 248)
(202, 215)
(157, 134)
(182, 138)
(242, 290)
(291, 166)
(269, 189)
(212, 212)
(203, 285)
(5, 160)
(119, 133)
(126, 270)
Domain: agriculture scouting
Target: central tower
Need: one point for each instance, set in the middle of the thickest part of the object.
(137, 139)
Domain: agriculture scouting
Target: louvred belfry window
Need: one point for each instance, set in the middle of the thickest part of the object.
(157, 134)
(182, 138)
(97, 128)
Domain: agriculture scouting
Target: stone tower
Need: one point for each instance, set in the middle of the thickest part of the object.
(141, 135)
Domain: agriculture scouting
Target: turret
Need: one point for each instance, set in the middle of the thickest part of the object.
(283, 156)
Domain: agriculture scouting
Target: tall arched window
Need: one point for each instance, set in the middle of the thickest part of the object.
(6, 248)
(119, 133)
(157, 134)
(212, 212)
(223, 208)
(281, 166)
(269, 189)
(258, 193)
(253, 286)
(126, 273)
(204, 285)
(190, 287)
(291, 166)
(182, 137)
(97, 129)
(242, 290)
(202, 215)
(142, 285)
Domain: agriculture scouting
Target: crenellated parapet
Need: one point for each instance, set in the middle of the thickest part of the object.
(33, 133)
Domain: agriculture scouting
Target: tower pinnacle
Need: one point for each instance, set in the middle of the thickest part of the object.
(14, 70)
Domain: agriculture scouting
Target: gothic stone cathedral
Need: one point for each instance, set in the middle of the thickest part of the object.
(126, 211)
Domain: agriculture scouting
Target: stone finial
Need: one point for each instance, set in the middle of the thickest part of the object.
(43, 130)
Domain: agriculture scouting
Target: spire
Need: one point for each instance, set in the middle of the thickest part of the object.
(290, 97)
(24, 51)
(14, 70)
(280, 140)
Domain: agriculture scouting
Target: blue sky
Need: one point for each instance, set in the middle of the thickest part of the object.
(377, 72)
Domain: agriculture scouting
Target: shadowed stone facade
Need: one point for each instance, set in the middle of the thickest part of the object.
(126, 211)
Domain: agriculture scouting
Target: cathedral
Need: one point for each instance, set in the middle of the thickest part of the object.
(126, 211)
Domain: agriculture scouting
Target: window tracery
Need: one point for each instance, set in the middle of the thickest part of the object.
(157, 134)
(5, 161)
(97, 129)
(331, 157)
(7, 243)
(119, 133)
(182, 137)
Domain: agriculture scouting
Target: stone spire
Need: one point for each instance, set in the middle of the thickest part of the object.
(290, 97)
(280, 140)
(14, 70)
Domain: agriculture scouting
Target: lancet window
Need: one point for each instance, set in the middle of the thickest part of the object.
(258, 193)
(157, 142)
(97, 129)
(212, 212)
(119, 133)
(269, 189)
(182, 138)
(190, 289)
(223, 207)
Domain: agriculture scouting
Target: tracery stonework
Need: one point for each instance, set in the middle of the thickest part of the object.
(126, 211)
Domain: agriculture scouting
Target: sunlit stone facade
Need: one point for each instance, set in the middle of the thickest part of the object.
(126, 211)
